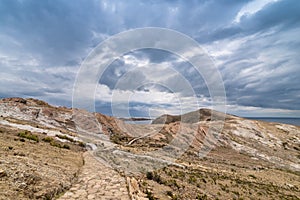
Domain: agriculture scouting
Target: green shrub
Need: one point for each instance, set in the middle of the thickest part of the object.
(149, 175)
(28, 135)
(65, 146)
(55, 144)
(64, 137)
(201, 197)
(47, 139)
(154, 176)
(169, 193)
(81, 144)
(192, 179)
(150, 195)
(172, 183)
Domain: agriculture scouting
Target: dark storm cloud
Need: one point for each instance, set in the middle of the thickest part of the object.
(281, 15)
(59, 32)
(42, 44)
(52, 31)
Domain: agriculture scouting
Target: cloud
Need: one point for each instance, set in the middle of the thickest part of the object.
(276, 15)
(142, 102)
(254, 44)
(263, 67)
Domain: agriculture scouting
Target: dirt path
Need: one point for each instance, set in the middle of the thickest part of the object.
(97, 181)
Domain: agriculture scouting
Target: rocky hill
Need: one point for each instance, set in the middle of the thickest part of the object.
(199, 155)
(202, 114)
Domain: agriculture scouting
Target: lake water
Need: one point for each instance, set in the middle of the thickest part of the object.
(293, 121)
(138, 122)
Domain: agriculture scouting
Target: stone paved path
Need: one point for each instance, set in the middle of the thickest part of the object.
(97, 181)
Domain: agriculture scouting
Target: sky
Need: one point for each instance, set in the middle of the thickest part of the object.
(254, 44)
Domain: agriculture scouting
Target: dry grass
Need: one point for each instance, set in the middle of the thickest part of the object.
(35, 170)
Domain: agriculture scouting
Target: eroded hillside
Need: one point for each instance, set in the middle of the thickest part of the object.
(170, 159)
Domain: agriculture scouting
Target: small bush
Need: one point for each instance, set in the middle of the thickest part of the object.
(149, 175)
(81, 144)
(192, 179)
(65, 146)
(157, 178)
(118, 139)
(64, 137)
(172, 183)
(154, 176)
(201, 197)
(169, 193)
(150, 195)
(55, 144)
(47, 139)
(173, 197)
(28, 135)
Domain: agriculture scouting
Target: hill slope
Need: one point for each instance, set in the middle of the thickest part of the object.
(169, 159)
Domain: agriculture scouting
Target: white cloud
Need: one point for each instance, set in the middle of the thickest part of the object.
(158, 101)
(251, 8)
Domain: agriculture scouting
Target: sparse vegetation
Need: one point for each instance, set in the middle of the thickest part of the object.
(56, 144)
(81, 144)
(118, 138)
(150, 195)
(149, 175)
(192, 179)
(225, 172)
(154, 176)
(64, 137)
(172, 183)
(170, 193)
(65, 146)
(47, 139)
(28, 135)
(38, 171)
(201, 197)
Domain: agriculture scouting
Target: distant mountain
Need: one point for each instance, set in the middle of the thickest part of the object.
(202, 114)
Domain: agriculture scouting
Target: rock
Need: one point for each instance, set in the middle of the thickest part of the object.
(134, 191)
(2, 173)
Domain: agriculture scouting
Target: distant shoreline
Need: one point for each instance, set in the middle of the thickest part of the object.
(135, 119)
(285, 120)
(272, 117)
